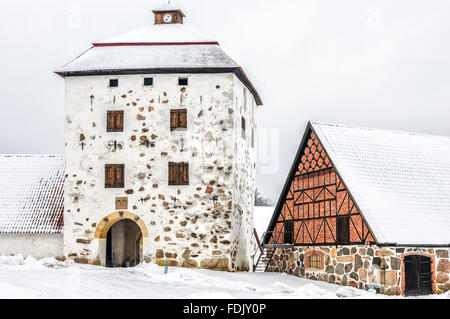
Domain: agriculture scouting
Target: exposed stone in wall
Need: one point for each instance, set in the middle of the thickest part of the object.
(212, 217)
(362, 267)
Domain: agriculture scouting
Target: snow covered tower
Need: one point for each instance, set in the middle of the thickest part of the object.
(160, 159)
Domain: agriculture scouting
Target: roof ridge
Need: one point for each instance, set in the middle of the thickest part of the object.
(313, 122)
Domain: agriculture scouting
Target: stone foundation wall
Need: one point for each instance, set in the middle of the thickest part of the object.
(363, 267)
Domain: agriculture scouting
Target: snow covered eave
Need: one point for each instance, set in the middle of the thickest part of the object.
(238, 71)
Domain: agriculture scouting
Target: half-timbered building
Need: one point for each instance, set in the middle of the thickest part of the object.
(365, 208)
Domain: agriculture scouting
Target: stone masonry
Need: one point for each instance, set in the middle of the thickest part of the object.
(206, 224)
(363, 267)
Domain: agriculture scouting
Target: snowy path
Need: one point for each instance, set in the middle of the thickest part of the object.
(48, 278)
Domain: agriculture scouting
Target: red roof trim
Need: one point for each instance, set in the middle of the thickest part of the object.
(152, 44)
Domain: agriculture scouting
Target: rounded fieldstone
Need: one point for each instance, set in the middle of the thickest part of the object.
(340, 269)
(358, 262)
(440, 253)
(348, 268)
(354, 276)
(329, 269)
(395, 263)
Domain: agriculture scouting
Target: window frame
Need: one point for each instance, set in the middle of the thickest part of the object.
(148, 78)
(180, 125)
(343, 230)
(115, 127)
(317, 263)
(183, 79)
(116, 83)
(178, 174)
(116, 182)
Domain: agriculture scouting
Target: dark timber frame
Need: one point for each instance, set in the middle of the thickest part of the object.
(286, 188)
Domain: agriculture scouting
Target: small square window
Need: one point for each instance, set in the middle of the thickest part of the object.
(182, 81)
(113, 83)
(148, 81)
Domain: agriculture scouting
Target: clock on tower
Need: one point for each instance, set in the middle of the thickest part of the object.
(168, 15)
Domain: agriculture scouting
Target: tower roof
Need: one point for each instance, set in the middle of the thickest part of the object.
(168, 46)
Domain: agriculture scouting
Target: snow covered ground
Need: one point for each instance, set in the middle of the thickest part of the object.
(48, 278)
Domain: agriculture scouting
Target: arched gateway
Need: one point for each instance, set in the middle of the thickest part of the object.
(120, 238)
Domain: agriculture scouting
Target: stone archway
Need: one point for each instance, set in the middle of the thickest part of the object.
(131, 234)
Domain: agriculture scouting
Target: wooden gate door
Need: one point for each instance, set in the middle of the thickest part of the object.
(417, 275)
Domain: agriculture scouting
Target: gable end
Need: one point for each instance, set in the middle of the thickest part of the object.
(313, 198)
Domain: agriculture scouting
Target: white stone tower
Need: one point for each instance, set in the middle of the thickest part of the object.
(160, 158)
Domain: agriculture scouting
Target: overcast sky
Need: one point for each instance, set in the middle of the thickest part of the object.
(382, 64)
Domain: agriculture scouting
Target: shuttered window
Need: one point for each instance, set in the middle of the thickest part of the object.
(114, 176)
(315, 261)
(114, 121)
(178, 119)
(288, 232)
(343, 230)
(178, 173)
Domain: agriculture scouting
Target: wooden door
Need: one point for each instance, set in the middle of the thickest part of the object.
(417, 275)
(289, 232)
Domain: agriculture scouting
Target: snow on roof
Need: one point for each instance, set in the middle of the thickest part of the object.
(166, 7)
(158, 48)
(399, 180)
(150, 57)
(160, 33)
(31, 193)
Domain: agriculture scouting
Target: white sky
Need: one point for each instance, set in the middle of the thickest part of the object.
(382, 64)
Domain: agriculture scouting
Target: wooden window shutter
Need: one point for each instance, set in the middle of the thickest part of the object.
(173, 119)
(343, 230)
(119, 176)
(109, 176)
(172, 173)
(178, 173)
(110, 121)
(114, 121)
(118, 121)
(184, 173)
(114, 176)
(182, 118)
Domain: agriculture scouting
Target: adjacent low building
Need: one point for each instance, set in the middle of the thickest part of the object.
(31, 205)
(366, 208)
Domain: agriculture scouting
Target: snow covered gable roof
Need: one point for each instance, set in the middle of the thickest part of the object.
(159, 48)
(31, 193)
(399, 180)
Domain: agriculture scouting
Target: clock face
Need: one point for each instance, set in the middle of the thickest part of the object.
(167, 18)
